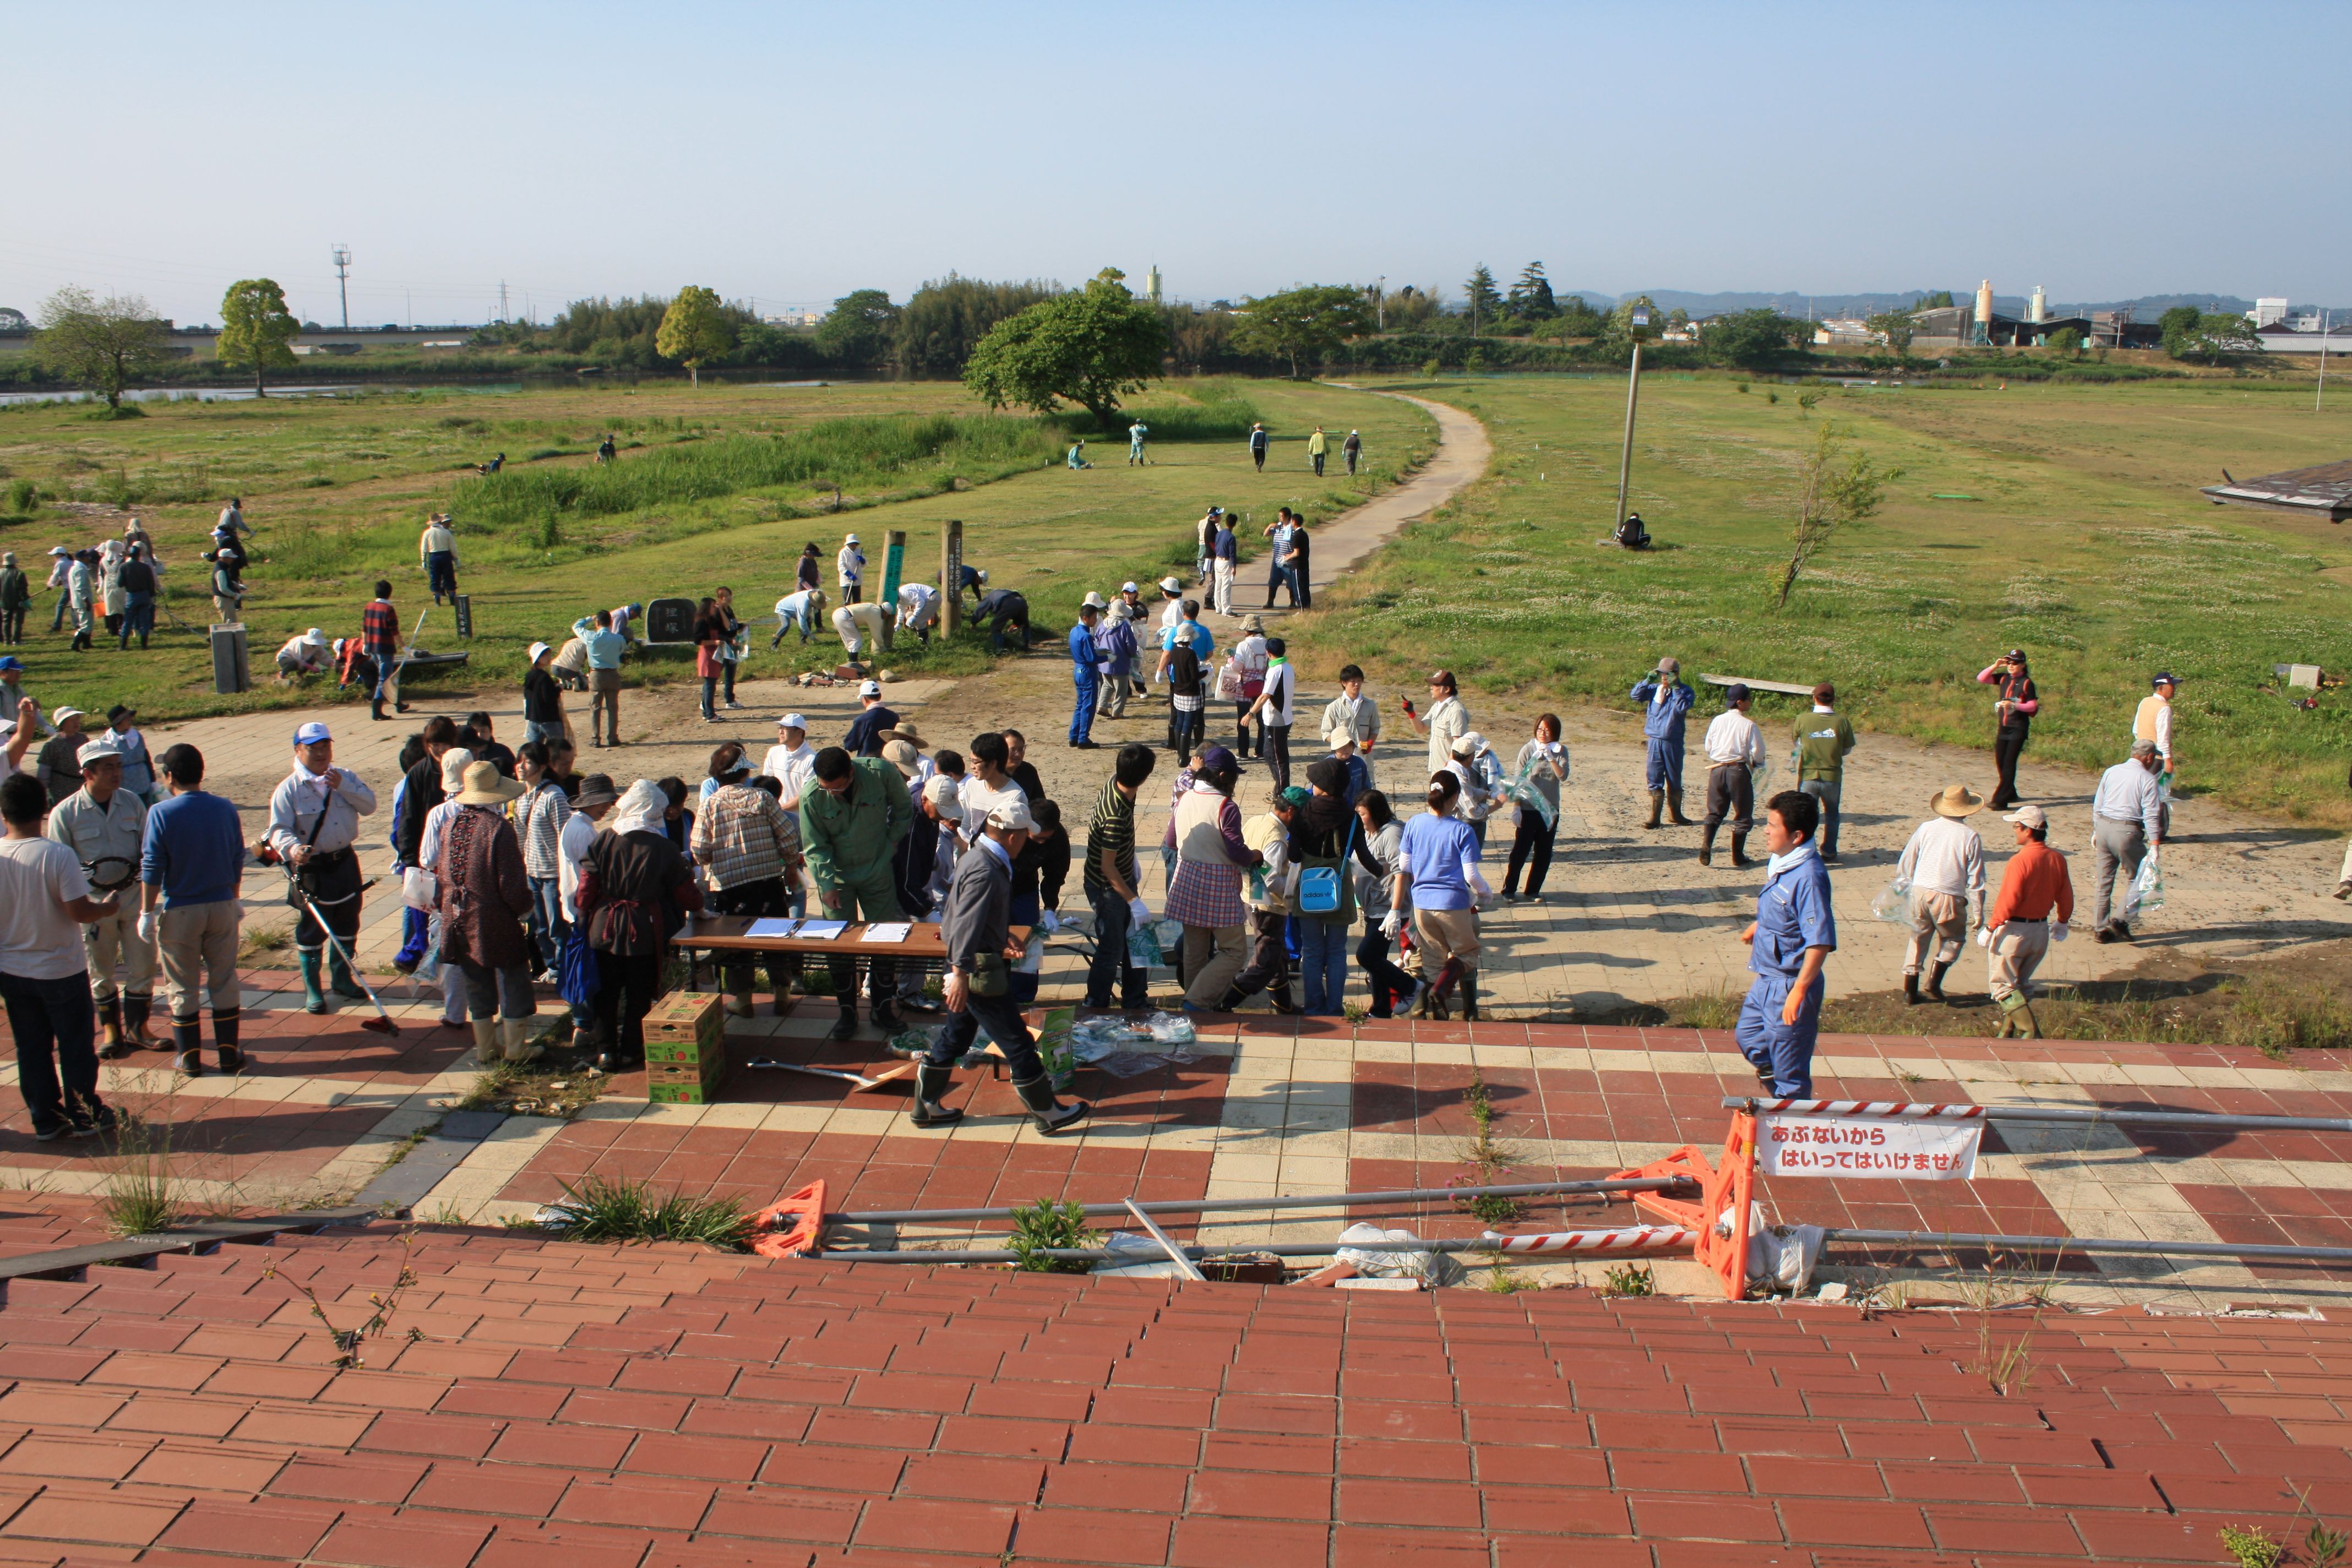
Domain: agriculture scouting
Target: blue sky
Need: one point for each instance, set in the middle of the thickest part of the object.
(791, 153)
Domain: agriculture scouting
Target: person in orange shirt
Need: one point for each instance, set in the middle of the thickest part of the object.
(2018, 932)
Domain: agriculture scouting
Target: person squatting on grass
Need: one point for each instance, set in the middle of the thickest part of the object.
(1792, 935)
(190, 865)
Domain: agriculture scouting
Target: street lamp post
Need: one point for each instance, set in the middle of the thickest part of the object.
(1640, 324)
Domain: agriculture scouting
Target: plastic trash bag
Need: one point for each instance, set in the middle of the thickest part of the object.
(1057, 1048)
(1893, 904)
(1170, 1028)
(2146, 895)
(577, 972)
(1360, 1245)
(1782, 1257)
(1143, 947)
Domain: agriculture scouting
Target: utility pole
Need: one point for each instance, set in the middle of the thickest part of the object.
(1639, 322)
(342, 254)
(1381, 304)
(2322, 390)
(502, 300)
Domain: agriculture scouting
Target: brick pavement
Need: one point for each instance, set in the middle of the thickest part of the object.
(656, 1405)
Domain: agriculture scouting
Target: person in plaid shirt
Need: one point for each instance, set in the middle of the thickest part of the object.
(1206, 896)
(750, 847)
(380, 640)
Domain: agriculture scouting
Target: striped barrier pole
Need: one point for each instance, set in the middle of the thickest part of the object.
(2080, 1116)
(1630, 1238)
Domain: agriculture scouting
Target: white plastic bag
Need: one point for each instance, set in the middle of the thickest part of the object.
(1893, 904)
(417, 889)
(1360, 1246)
(2146, 895)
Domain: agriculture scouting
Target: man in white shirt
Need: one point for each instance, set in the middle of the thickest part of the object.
(1944, 863)
(849, 569)
(2126, 818)
(314, 824)
(44, 899)
(436, 548)
(799, 611)
(987, 786)
(918, 609)
(309, 653)
(791, 760)
(859, 626)
(1275, 709)
(1735, 749)
(1353, 714)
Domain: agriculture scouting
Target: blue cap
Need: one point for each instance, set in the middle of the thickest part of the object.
(1738, 693)
(311, 734)
(10, 662)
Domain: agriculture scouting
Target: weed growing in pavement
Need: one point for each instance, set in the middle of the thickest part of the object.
(142, 1195)
(1491, 1158)
(1504, 1280)
(1629, 1279)
(260, 943)
(2250, 1548)
(1045, 1224)
(604, 1210)
(348, 1342)
(1716, 1009)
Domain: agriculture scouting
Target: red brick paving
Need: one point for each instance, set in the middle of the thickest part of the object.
(1171, 1450)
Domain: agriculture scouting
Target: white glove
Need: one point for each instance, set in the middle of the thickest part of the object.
(1391, 923)
(148, 924)
(1984, 937)
(2057, 931)
(1050, 922)
(1139, 911)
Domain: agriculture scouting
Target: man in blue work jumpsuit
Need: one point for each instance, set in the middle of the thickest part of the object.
(1086, 675)
(1666, 699)
(1794, 932)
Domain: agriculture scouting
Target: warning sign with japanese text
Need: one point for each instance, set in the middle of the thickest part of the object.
(1904, 1148)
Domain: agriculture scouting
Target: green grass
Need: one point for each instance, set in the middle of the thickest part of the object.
(395, 455)
(2091, 548)
(605, 1210)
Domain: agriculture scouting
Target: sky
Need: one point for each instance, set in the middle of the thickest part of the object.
(786, 153)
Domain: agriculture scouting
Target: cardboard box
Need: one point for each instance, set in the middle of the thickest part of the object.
(682, 1093)
(685, 1083)
(685, 1025)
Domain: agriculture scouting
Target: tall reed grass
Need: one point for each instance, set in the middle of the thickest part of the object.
(856, 453)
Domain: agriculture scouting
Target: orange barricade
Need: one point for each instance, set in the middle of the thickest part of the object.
(1721, 1215)
(794, 1225)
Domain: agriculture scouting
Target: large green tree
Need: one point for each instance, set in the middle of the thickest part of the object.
(859, 330)
(2190, 333)
(108, 342)
(694, 329)
(1752, 339)
(1480, 298)
(1092, 346)
(1303, 323)
(1897, 328)
(257, 328)
(1530, 297)
(946, 318)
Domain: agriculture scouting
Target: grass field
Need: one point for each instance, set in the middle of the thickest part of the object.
(2087, 544)
(715, 486)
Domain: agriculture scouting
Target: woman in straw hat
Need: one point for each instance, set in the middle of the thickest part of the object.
(1944, 863)
(483, 894)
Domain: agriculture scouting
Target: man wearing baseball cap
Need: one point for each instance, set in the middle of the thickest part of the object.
(1085, 673)
(314, 823)
(790, 760)
(2127, 820)
(1735, 749)
(60, 766)
(105, 825)
(1666, 701)
(849, 568)
(2019, 928)
(860, 628)
(873, 722)
(975, 931)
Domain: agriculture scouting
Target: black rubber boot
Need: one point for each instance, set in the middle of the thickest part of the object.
(225, 1047)
(188, 1039)
(1657, 805)
(1911, 989)
(846, 1027)
(1706, 847)
(375, 709)
(1674, 807)
(109, 1018)
(1469, 995)
(1935, 987)
(1049, 1114)
(136, 1011)
(885, 1015)
(1739, 850)
(931, 1085)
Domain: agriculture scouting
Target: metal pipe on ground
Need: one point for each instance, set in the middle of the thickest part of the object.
(2089, 1115)
(1303, 1201)
(1631, 1238)
(2257, 1251)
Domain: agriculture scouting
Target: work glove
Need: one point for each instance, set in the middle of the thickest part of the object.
(148, 925)
(1139, 911)
(1391, 923)
(2057, 931)
(1049, 923)
(1984, 937)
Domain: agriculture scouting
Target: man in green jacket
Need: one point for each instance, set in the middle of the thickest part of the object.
(1823, 738)
(853, 814)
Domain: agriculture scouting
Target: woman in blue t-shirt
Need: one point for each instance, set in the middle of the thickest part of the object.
(1437, 877)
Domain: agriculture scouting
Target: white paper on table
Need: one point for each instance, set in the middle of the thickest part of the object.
(822, 931)
(896, 930)
(775, 926)
(1893, 1148)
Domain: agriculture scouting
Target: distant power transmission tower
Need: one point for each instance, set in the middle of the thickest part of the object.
(342, 281)
(502, 300)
